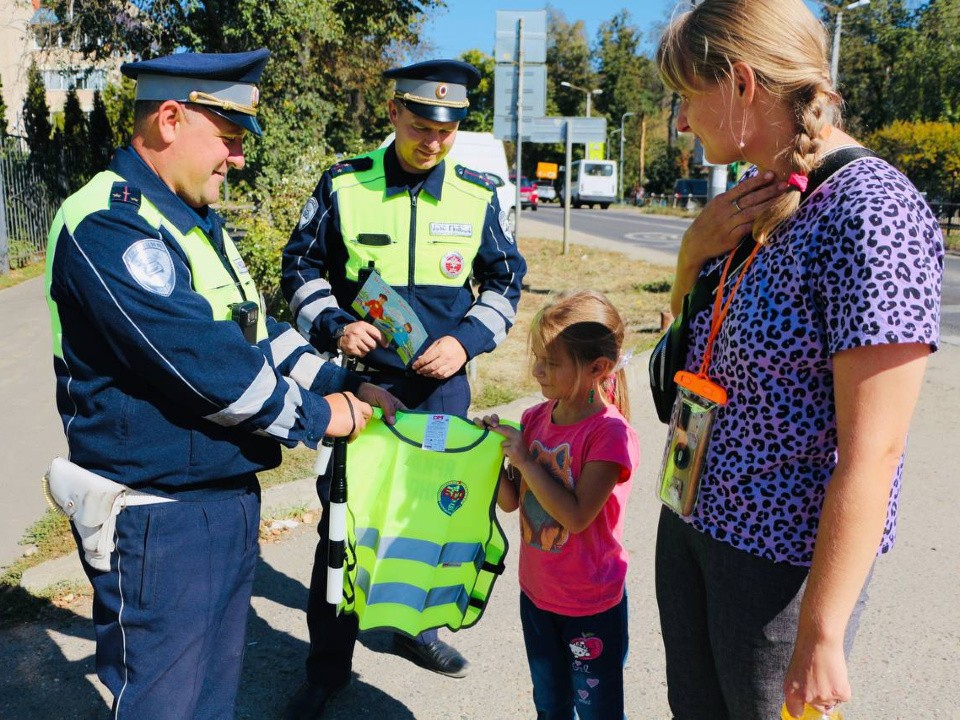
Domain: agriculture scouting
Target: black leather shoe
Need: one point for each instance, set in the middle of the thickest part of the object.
(436, 656)
(309, 701)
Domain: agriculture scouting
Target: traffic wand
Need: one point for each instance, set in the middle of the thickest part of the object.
(337, 533)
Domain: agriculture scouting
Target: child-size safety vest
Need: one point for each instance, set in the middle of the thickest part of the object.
(425, 546)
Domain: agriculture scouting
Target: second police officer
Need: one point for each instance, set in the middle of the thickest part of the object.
(427, 226)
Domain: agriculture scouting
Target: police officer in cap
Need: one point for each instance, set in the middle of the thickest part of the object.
(427, 226)
(175, 388)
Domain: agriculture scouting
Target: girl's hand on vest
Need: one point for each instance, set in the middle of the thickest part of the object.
(375, 395)
(359, 338)
(442, 359)
(348, 415)
(513, 448)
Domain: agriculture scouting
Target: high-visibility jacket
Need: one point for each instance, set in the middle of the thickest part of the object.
(425, 244)
(425, 546)
(156, 386)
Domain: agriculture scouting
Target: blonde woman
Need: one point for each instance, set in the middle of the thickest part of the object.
(821, 352)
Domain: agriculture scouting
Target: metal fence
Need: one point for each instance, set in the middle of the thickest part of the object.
(27, 207)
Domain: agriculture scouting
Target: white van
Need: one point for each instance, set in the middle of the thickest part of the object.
(592, 182)
(482, 152)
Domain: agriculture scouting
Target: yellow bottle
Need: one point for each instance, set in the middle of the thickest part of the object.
(810, 713)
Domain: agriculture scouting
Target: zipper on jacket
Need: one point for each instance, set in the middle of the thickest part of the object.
(412, 250)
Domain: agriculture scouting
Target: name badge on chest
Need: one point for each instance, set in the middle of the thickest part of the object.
(449, 229)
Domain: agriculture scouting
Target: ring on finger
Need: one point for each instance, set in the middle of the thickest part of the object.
(736, 204)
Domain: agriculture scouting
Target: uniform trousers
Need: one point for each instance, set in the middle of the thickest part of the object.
(171, 613)
(332, 637)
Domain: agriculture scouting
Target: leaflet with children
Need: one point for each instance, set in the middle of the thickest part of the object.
(381, 306)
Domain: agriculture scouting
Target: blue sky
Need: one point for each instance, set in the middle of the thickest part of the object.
(466, 24)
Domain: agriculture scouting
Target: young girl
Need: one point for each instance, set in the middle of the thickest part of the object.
(569, 474)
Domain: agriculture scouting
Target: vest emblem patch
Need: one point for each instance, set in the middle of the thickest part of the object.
(451, 264)
(149, 263)
(241, 266)
(309, 210)
(451, 497)
(451, 229)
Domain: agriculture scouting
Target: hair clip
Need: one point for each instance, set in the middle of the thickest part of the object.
(622, 362)
(798, 181)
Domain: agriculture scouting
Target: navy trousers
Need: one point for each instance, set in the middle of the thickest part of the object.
(171, 613)
(332, 637)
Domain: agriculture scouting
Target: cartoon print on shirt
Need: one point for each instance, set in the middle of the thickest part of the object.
(538, 528)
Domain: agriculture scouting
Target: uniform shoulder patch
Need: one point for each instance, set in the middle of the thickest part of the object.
(123, 194)
(477, 178)
(148, 262)
(352, 165)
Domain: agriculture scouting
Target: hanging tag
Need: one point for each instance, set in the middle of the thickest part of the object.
(702, 386)
(435, 434)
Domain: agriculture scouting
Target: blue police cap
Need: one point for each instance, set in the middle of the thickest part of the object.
(436, 89)
(224, 83)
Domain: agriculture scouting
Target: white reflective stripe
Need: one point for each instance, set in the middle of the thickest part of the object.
(284, 345)
(492, 320)
(309, 312)
(306, 369)
(288, 416)
(252, 400)
(305, 291)
(499, 303)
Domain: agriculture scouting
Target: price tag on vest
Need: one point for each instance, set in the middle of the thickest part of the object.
(435, 434)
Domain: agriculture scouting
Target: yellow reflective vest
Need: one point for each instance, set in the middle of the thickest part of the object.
(424, 542)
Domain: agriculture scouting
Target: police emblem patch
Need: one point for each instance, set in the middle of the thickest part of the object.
(441, 91)
(451, 264)
(149, 263)
(309, 210)
(451, 497)
(505, 226)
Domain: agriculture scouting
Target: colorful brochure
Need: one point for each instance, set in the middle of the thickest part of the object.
(381, 306)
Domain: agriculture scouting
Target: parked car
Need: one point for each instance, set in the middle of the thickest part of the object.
(546, 191)
(529, 195)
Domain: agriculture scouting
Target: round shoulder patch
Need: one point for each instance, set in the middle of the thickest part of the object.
(149, 263)
(505, 226)
(309, 210)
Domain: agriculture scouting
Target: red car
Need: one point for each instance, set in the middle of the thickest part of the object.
(529, 195)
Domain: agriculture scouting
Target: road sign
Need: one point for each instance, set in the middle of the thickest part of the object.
(551, 129)
(596, 151)
(534, 36)
(547, 171)
(534, 90)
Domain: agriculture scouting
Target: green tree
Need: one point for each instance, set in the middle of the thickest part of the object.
(480, 118)
(927, 152)
(118, 101)
(3, 115)
(630, 84)
(36, 121)
(75, 151)
(568, 60)
(101, 134)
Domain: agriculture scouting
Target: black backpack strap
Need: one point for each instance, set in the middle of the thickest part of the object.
(830, 163)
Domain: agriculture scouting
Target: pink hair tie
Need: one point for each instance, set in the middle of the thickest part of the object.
(798, 181)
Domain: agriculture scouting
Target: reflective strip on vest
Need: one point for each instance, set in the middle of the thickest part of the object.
(448, 233)
(425, 546)
(210, 278)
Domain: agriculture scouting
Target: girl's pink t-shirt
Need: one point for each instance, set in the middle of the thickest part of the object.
(583, 573)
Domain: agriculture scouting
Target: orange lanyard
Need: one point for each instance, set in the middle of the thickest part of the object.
(720, 309)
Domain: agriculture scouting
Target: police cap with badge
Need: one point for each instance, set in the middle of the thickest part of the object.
(224, 83)
(436, 89)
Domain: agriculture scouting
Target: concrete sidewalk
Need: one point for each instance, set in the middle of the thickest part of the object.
(905, 663)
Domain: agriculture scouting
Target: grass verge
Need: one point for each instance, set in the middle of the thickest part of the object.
(15, 277)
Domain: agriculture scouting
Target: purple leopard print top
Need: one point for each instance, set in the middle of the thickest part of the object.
(860, 263)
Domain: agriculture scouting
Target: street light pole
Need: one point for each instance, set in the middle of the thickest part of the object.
(837, 29)
(590, 93)
(620, 169)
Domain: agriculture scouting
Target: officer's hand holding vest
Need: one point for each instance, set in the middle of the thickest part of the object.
(348, 414)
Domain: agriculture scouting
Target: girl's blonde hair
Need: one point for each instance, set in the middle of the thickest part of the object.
(785, 45)
(586, 326)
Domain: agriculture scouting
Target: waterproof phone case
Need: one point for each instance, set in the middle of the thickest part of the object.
(691, 421)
